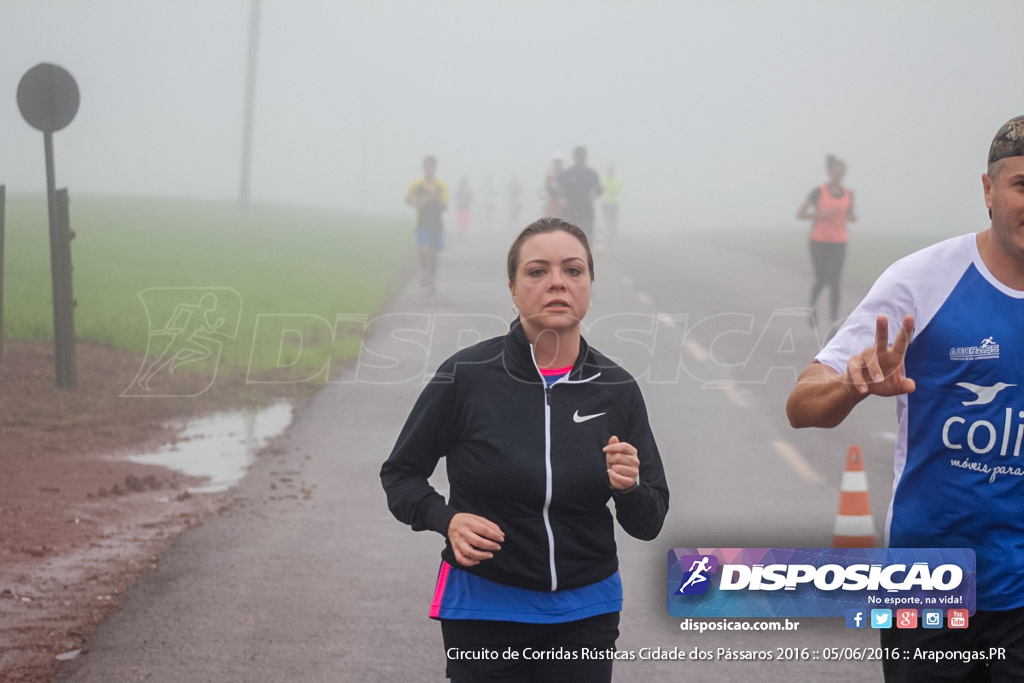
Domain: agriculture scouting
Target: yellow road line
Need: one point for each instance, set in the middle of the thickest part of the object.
(797, 462)
(736, 397)
(696, 350)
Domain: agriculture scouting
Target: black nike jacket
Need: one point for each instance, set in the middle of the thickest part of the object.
(529, 458)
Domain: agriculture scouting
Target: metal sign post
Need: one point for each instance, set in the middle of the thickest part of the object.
(67, 368)
(48, 99)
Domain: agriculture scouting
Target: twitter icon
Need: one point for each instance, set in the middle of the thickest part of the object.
(881, 618)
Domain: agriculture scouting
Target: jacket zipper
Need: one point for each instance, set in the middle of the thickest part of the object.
(545, 513)
(548, 486)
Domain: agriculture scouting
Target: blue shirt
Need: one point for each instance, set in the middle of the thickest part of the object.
(959, 470)
(461, 595)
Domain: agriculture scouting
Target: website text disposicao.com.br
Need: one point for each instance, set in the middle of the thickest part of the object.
(717, 625)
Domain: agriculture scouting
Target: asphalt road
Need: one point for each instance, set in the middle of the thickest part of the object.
(307, 577)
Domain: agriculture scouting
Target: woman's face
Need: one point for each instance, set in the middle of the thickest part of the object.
(552, 284)
(836, 171)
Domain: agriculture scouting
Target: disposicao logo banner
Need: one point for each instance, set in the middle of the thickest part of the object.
(817, 582)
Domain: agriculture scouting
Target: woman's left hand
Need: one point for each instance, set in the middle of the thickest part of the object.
(623, 464)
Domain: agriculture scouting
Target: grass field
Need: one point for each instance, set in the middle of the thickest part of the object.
(281, 275)
(136, 259)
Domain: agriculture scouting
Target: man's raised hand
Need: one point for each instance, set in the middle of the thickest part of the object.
(878, 369)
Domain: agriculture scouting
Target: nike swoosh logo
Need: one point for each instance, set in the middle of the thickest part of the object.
(577, 418)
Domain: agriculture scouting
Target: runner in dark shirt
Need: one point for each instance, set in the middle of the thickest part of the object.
(580, 186)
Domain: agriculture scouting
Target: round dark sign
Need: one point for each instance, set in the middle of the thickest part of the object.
(48, 97)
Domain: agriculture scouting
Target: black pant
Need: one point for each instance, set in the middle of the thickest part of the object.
(510, 652)
(827, 259)
(582, 216)
(986, 634)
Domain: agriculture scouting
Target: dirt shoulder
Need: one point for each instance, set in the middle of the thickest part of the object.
(78, 525)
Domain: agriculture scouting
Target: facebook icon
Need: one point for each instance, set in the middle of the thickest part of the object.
(855, 619)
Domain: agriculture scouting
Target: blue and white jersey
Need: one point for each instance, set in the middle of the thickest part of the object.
(958, 468)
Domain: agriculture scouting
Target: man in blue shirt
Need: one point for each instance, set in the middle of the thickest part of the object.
(955, 363)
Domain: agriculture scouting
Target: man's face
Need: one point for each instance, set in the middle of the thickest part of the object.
(429, 168)
(1004, 196)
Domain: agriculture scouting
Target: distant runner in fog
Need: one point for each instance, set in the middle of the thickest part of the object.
(463, 205)
(551, 192)
(611, 190)
(829, 207)
(430, 197)
(580, 186)
(489, 202)
(515, 201)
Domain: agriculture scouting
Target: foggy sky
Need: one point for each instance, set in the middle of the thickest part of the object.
(716, 114)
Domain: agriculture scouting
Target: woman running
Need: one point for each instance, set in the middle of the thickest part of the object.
(829, 207)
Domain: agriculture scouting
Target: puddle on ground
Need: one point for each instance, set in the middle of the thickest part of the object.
(220, 446)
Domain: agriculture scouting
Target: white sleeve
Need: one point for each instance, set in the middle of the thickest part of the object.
(917, 284)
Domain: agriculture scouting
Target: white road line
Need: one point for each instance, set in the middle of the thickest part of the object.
(797, 462)
(728, 387)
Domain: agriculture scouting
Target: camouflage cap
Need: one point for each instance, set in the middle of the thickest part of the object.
(1009, 141)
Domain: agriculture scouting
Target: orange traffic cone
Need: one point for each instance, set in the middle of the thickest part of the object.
(854, 526)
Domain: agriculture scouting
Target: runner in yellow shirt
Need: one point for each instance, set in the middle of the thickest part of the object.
(430, 197)
(611, 190)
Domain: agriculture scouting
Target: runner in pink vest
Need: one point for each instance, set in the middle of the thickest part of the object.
(829, 207)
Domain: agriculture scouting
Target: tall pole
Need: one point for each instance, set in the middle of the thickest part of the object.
(250, 100)
(60, 338)
(364, 166)
(66, 351)
(60, 267)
